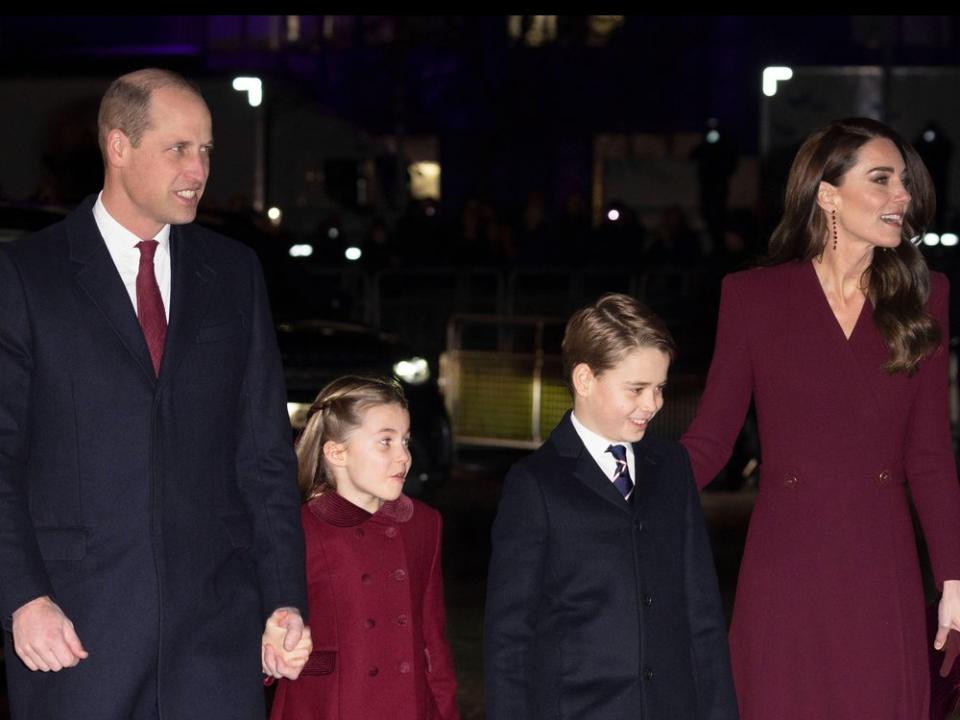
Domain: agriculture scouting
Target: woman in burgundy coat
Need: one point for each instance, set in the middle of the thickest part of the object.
(841, 341)
(373, 568)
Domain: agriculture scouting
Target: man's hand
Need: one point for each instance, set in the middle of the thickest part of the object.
(286, 644)
(44, 638)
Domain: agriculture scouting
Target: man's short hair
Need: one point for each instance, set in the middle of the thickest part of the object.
(601, 334)
(126, 103)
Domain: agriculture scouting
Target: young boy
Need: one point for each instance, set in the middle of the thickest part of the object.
(602, 600)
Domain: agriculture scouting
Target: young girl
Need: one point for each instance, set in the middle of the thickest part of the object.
(373, 568)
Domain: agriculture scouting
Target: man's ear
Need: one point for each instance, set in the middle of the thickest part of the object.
(335, 453)
(583, 379)
(117, 147)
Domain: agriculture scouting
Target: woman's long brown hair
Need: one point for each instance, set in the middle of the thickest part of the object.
(898, 282)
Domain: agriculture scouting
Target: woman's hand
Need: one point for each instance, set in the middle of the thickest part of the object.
(948, 621)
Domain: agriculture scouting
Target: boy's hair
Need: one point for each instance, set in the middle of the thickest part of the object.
(336, 412)
(601, 334)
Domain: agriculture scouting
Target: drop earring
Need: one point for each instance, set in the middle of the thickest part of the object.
(833, 219)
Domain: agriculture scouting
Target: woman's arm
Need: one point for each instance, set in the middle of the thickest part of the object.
(723, 406)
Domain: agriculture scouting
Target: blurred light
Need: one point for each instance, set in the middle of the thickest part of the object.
(293, 28)
(297, 412)
(252, 86)
(613, 214)
(275, 215)
(772, 75)
(352, 253)
(929, 136)
(333, 233)
(931, 239)
(415, 371)
(424, 180)
(301, 250)
(949, 239)
(713, 136)
(430, 211)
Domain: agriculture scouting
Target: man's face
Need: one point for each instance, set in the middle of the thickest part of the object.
(164, 176)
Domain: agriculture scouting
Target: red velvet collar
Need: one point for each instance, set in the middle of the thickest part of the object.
(340, 512)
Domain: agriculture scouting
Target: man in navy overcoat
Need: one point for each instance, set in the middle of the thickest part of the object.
(149, 515)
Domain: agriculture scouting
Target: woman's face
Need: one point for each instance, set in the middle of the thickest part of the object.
(872, 198)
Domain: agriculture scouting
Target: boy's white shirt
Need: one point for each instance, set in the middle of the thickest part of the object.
(597, 447)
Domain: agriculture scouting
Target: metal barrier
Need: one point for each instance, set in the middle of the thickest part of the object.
(416, 303)
(503, 397)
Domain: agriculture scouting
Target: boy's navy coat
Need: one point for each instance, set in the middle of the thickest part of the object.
(601, 609)
(161, 514)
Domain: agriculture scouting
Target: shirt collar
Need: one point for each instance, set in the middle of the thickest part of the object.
(597, 444)
(117, 237)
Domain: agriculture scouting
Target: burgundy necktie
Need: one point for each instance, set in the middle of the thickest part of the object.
(150, 311)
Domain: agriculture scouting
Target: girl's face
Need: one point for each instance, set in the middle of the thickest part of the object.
(371, 465)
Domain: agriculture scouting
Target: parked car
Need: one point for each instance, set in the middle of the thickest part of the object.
(21, 219)
(316, 351)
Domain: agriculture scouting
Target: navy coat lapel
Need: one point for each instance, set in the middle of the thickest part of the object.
(586, 470)
(647, 462)
(192, 279)
(99, 279)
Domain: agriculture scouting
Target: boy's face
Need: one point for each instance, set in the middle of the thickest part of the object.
(620, 402)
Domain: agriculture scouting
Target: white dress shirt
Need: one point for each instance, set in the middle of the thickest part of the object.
(122, 245)
(597, 447)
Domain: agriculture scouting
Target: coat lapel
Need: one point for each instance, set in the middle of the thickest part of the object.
(647, 462)
(586, 470)
(98, 277)
(864, 406)
(191, 288)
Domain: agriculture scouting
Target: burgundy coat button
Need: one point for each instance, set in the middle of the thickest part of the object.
(404, 667)
(370, 623)
(372, 672)
(390, 532)
(400, 575)
(884, 477)
(401, 620)
(365, 578)
(358, 532)
(790, 480)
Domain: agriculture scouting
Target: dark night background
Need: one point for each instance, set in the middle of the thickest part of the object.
(495, 173)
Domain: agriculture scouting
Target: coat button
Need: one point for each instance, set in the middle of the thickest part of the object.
(404, 667)
(358, 532)
(372, 672)
(370, 623)
(399, 574)
(390, 532)
(401, 620)
(790, 480)
(648, 674)
(639, 526)
(365, 578)
(884, 477)
(647, 600)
